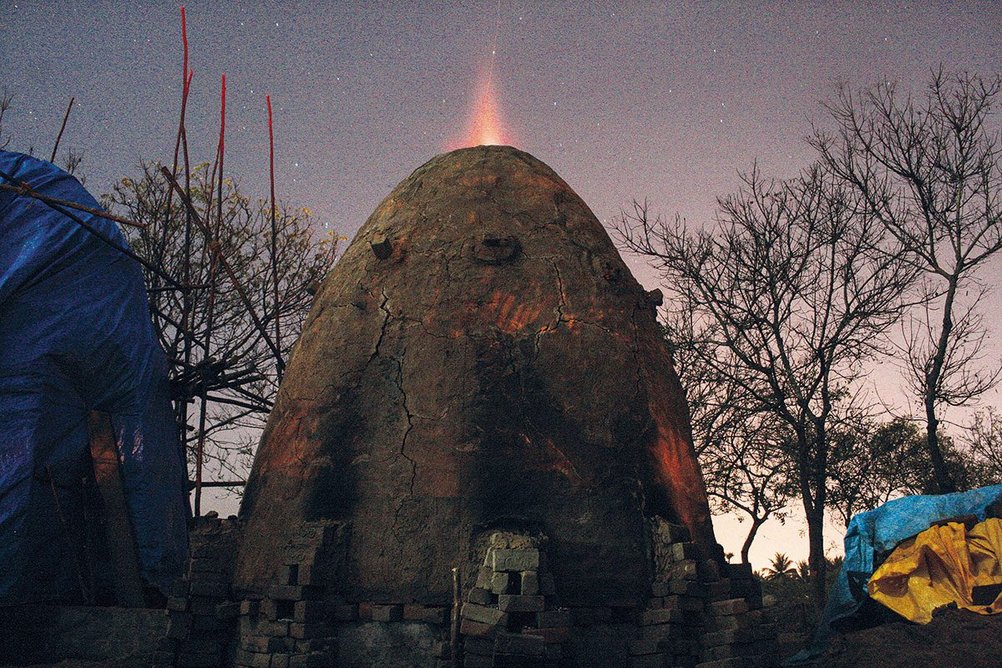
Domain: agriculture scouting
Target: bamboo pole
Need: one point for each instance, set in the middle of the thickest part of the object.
(185, 80)
(454, 630)
(220, 483)
(23, 188)
(128, 583)
(279, 363)
(90, 228)
(62, 127)
(214, 261)
(187, 299)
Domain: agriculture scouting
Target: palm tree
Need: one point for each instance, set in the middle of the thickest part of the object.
(781, 566)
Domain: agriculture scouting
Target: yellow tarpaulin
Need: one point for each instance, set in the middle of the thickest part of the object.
(939, 566)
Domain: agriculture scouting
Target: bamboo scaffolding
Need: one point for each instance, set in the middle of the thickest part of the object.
(203, 380)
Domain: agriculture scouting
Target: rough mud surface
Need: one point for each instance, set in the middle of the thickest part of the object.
(954, 638)
(479, 358)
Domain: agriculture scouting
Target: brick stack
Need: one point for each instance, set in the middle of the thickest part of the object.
(739, 633)
(288, 627)
(391, 612)
(672, 621)
(743, 585)
(699, 615)
(201, 616)
(284, 633)
(508, 618)
(671, 624)
(737, 637)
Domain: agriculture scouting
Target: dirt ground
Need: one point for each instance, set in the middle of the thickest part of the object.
(953, 638)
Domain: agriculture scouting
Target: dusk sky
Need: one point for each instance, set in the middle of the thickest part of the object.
(664, 101)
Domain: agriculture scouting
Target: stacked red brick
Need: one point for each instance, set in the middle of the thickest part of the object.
(739, 632)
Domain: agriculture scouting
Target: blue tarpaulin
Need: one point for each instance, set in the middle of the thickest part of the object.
(873, 535)
(76, 336)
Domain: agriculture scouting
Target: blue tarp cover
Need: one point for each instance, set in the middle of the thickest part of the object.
(873, 535)
(75, 336)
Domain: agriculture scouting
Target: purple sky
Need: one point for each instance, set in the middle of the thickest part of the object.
(624, 99)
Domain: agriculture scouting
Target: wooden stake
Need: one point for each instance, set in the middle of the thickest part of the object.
(188, 299)
(222, 483)
(215, 260)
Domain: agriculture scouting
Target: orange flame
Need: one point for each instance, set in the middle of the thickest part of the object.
(484, 127)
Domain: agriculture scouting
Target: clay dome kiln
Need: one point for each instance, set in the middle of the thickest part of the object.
(479, 359)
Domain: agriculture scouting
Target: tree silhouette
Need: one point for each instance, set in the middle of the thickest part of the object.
(780, 566)
(797, 289)
(740, 446)
(928, 169)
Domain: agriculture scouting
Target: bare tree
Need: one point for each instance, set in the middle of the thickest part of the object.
(929, 170)
(983, 441)
(237, 372)
(71, 164)
(799, 289)
(740, 447)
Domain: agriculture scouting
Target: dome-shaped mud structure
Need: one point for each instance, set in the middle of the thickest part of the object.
(480, 358)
